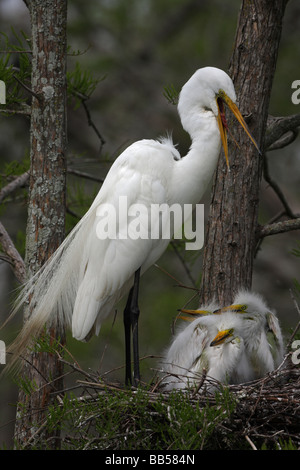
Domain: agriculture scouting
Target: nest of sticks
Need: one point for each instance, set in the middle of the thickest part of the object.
(266, 411)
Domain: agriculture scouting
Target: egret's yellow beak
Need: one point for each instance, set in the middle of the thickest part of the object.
(238, 308)
(222, 336)
(196, 312)
(193, 312)
(222, 123)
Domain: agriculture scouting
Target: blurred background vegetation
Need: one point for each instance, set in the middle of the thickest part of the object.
(135, 49)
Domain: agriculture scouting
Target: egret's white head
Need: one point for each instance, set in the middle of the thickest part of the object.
(257, 316)
(228, 326)
(250, 305)
(204, 87)
(206, 92)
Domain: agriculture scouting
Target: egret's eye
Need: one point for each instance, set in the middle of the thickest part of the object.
(242, 309)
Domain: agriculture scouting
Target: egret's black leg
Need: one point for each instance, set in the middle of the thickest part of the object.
(135, 312)
(131, 316)
(127, 329)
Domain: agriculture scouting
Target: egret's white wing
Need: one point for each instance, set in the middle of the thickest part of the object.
(275, 338)
(186, 355)
(107, 265)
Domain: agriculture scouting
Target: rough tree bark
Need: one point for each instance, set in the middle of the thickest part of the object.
(231, 233)
(46, 213)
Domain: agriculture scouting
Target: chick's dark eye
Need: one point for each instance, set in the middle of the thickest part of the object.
(243, 308)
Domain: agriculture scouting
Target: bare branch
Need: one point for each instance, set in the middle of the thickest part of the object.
(278, 127)
(92, 124)
(277, 190)
(23, 108)
(184, 263)
(37, 96)
(278, 227)
(17, 183)
(284, 141)
(14, 257)
(82, 174)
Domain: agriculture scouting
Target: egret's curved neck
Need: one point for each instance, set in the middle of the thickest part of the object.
(193, 172)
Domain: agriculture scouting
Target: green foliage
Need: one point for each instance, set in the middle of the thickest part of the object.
(26, 385)
(281, 445)
(13, 168)
(286, 445)
(81, 84)
(20, 242)
(46, 343)
(125, 420)
(296, 251)
(8, 172)
(171, 94)
(12, 75)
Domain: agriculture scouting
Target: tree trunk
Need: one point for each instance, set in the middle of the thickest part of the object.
(231, 232)
(46, 212)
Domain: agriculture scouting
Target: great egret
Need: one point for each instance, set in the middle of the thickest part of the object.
(87, 276)
(249, 340)
(210, 343)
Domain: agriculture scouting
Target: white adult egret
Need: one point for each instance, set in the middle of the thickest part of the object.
(87, 276)
(210, 343)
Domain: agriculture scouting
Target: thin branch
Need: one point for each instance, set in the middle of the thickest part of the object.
(277, 189)
(3, 51)
(83, 99)
(10, 250)
(184, 264)
(91, 123)
(250, 442)
(17, 183)
(23, 109)
(71, 171)
(38, 97)
(73, 214)
(278, 227)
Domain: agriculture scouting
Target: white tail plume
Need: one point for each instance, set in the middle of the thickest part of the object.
(52, 290)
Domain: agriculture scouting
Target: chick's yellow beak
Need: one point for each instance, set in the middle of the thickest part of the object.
(238, 308)
(222, 336)
(222, 124)
(196, 313)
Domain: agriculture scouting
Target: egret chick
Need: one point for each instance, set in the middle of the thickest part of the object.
(210, 343)
(261, 332)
